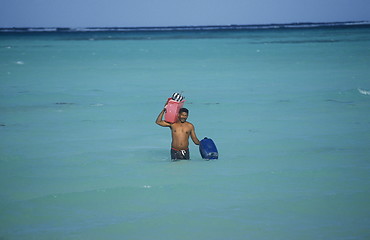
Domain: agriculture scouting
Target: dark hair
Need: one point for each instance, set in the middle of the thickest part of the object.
(184, 110)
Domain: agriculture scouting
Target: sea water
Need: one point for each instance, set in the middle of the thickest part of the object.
(82, 158)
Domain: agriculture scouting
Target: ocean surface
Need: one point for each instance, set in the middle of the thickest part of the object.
(288, 108)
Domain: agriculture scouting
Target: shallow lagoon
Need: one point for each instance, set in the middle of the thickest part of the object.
(81, 157)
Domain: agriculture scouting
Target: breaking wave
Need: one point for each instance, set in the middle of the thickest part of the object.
(364, 92)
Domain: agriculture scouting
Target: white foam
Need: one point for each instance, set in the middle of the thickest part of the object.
(19, 62)
(364, 92)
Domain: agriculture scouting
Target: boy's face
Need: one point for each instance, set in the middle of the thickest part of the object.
(183, 116)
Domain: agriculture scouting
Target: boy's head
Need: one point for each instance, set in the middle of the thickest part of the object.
(183, 114)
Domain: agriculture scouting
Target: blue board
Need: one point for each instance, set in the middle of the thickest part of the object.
(208, 149)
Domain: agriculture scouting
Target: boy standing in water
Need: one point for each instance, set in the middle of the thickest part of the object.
(181, 131)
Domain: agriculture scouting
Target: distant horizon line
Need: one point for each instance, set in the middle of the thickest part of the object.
(190, 27)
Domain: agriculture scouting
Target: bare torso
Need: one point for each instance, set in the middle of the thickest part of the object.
(180, 135)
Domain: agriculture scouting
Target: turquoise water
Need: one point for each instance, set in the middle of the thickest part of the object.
(81, 156)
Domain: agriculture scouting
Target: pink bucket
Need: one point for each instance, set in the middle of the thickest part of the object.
(172, 110)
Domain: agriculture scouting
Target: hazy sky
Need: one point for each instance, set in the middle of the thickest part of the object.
(127, 13)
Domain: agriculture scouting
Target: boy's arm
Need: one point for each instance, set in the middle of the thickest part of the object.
(160, 120)
(194, 136)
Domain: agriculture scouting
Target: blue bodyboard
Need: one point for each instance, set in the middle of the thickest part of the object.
(208, 149)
